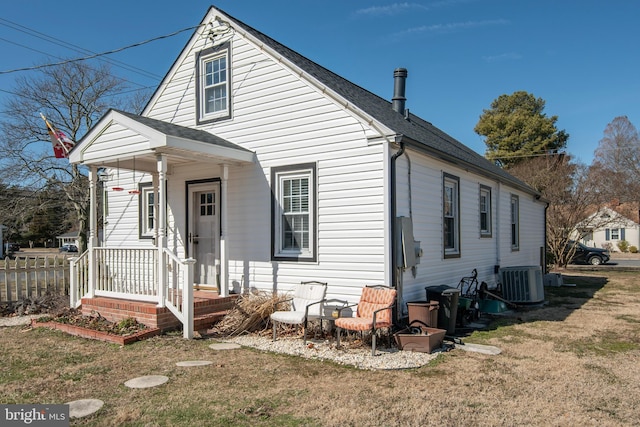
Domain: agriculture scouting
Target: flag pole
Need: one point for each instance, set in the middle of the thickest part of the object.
(55, 136)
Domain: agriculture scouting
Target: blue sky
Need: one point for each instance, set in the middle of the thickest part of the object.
(580, 56)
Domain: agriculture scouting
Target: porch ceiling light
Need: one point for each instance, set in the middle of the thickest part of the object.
(103, 175)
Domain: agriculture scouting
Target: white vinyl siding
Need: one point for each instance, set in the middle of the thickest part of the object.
(122, 226)
(480, 253)
(286, 121)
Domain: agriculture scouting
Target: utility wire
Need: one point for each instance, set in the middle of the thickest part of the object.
(71, 46)
(36, 67)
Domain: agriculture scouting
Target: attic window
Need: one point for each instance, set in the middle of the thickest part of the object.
(213, 89)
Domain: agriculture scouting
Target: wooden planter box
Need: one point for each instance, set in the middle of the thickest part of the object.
(425, 342)
(97, 335)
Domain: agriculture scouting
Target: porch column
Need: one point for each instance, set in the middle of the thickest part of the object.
(161, 226)
(224, 260)
(93, 221)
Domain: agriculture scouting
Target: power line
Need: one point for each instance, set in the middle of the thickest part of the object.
(36, 67)
(76, 48)
(519, 156)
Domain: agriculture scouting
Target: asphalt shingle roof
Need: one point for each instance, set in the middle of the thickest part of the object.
(182, 131)
(427, 136)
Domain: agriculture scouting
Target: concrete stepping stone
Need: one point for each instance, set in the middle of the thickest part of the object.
(84, 407)
(189, 363)
(147, 381)
(479, 348)
(224, 346)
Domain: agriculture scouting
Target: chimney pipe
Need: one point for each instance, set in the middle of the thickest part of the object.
(399, 81)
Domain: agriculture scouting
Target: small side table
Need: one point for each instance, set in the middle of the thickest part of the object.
(331, 313)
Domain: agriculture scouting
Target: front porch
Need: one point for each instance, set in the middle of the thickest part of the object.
(208, 308)
(156, 290)
(149, 271)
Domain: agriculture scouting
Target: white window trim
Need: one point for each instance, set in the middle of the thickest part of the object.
(453, 182)
(278, 176)
(615, 234)
(515, 222)
(147, 232)
(487, 192)
(203, 58)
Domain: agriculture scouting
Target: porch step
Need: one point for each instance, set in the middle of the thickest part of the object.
(208, 309)
(205, 321)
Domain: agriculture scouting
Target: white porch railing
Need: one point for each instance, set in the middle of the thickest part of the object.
(126, 273)
(132, 273)
(178, 279)
(78, 279)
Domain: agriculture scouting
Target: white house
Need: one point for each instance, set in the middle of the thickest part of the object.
(267, 169)
(610, 229)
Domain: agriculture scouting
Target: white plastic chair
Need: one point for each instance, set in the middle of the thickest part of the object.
(307, 302)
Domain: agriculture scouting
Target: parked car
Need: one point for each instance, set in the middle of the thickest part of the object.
(587, 255)
(68, 247)
(11, 247)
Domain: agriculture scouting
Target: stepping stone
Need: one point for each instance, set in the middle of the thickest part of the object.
(479, 348)
(84, 407)
(189, 363)
(224, 346)
(147, 381)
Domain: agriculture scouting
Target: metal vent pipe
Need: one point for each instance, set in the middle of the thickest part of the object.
(399, 84)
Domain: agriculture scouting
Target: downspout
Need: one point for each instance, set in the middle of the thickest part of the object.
(395, 277)
(545, 251)
(398, 105)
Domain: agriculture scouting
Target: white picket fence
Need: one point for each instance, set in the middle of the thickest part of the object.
(32, 277)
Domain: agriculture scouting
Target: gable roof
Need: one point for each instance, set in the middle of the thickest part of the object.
(182, 132)
(416, 132)
(153, 137)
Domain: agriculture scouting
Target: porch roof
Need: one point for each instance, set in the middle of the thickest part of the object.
(120, 137)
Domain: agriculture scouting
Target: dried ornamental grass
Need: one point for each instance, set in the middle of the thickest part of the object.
(251, 313)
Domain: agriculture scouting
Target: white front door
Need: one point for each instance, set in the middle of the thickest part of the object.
(204, 231)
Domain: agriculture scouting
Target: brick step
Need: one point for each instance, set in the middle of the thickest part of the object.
(207, 320)
(200, 310)
(206, 311)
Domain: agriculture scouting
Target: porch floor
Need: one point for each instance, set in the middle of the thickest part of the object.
(209, 308)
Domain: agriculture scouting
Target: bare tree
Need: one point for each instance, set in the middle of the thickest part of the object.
(571, 198)
(73, 96)
(616, 162)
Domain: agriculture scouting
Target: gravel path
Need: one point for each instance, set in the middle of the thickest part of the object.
(385, 358)
(360, 357)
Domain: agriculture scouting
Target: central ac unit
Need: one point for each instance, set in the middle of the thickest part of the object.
(522, 284)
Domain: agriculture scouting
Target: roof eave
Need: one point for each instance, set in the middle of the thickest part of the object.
(466, 165)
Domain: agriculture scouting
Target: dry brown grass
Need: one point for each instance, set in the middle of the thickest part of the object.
(250, 313)
(574, 362)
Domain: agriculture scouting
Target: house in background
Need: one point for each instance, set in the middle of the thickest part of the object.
(253, 167)
(68, 238)
(611, 228)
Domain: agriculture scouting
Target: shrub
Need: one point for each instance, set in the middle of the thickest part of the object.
(608, 246)
(623, 245)
(633, 249)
